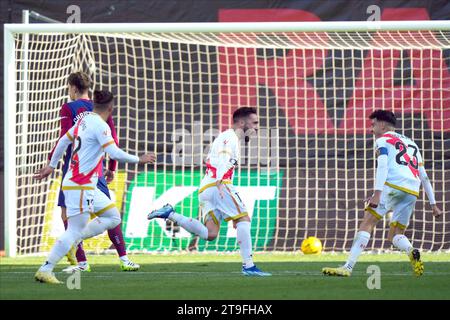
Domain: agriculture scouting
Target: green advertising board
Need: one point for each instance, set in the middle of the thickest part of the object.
(258, 190)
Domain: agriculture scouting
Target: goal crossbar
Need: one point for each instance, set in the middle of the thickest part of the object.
(331, 26)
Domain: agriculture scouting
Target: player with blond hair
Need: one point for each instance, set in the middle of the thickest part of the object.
(79, 84)
(400, 172)
(218, 198)
(90, 138)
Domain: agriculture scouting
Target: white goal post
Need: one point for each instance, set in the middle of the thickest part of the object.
(314, 84)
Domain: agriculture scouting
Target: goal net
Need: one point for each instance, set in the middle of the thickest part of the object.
(306, 173)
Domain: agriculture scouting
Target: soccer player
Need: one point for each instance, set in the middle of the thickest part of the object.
(79, 84)
(218, 198)
(400, 172)
(90, 138)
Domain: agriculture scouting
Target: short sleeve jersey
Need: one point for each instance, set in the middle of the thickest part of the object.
(404, 159)
(226, 143)
(89, 136)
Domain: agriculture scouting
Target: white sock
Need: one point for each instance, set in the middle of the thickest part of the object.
(108, 220)
(359, 244)
(245, 243)
(71, 236)
(124, 258)
(401, 242)
(191, 225)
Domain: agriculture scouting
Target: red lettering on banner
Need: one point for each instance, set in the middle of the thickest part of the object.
(427, 93)
(242, 72)
(374, 89)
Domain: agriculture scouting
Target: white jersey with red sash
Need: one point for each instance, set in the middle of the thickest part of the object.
(89, 137)
(222, 159)
(404, 159)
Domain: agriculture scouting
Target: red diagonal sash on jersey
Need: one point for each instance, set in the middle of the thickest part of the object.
(210, 168)
(213, 170)
(77, 177)
(393, 140)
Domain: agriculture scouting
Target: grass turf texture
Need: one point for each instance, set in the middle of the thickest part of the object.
(218, 277)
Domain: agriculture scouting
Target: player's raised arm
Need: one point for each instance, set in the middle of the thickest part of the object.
(118, 154)
(109, 145)
(103, 107)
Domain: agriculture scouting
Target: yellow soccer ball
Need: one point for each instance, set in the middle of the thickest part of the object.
(311, 245)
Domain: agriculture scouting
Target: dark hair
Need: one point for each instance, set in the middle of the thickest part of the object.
(80, 80)
(102, 99)
(384, 115)
(243, 112)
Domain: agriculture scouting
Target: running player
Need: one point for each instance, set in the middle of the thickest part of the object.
(90, 138)
(400, 172)
(79, 84)
(219, 199)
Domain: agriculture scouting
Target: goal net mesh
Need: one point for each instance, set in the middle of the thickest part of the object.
(306, 173)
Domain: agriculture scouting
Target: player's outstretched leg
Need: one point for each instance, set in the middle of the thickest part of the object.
(359, 244)
(191, 225)
(107, 220)
(401, 242)
(76, 256)
(245, 245)
(116, 237)
(164, 212)
(417, 264)
(71, 255)
(70, 237)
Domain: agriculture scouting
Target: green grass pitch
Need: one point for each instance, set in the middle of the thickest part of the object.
(217, 276)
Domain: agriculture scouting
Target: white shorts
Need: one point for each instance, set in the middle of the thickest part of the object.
(401, 203)
(214, 207)
(93, 202)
